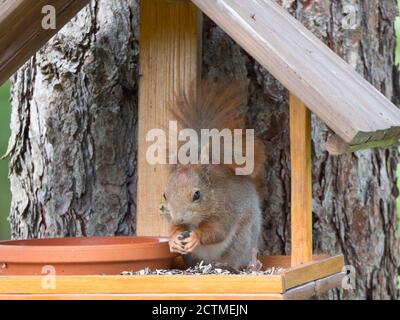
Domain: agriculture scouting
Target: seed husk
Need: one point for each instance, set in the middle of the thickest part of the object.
(206, 269)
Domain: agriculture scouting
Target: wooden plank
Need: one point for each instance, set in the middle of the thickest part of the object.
(312, 271)
(170, 36)
(301, 185)
(328, 283)
(275, 261)
(21, 32)
(305, 291)
(336, 146)
(168, 296)
(336, 93)
(179, 287)
(285, 261)
(205, 284)
(314, 288)
(302, 292)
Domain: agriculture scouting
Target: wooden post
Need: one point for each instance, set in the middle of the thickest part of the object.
(170, 34)
(301, 199)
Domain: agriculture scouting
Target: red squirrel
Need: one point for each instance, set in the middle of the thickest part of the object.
(215, 214)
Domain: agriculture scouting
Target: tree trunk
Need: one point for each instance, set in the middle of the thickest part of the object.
(74, 115)
(73, 144)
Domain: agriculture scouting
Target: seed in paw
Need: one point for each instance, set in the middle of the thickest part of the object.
(184, 235)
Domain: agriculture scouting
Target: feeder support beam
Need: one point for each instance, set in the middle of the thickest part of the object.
(301, 196)
(170, 34)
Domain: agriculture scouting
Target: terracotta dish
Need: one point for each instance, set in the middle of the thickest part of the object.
(84, 256)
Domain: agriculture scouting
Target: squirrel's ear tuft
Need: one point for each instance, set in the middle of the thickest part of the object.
(212, 103)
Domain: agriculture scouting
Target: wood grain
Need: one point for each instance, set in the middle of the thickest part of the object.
(169, 62)
(320, 267)
(336, 146)
(242, 287)
(314, 288)
(21, 32)
(312, 271)
(301, 184)
(328, 283)
(285, 261)
(336, 93)
(207, 284)
(168, 296)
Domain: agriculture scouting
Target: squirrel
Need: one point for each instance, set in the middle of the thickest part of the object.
(215, 215)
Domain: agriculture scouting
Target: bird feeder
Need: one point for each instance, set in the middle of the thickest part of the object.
(318, 81)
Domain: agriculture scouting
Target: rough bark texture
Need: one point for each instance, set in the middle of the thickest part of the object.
(74, 115)
(73, 148)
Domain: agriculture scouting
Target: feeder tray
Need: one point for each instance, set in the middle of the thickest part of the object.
(305, 281)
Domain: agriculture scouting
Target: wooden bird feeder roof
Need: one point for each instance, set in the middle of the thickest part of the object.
(359, 114)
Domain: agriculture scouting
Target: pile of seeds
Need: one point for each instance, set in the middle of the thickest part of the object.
(204, 269)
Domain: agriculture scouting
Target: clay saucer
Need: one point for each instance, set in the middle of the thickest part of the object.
(84, 256)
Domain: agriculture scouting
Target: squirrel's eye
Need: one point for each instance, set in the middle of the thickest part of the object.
(196, 195)
(164, 196)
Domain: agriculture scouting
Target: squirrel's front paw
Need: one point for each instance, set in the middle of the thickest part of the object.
(176, 245)
(184, 242)
(190, 242)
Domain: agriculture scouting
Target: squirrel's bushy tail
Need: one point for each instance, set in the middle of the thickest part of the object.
(212, 104)
(219, 104)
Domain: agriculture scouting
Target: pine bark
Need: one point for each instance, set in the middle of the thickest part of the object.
(74, 122)
(74, 116)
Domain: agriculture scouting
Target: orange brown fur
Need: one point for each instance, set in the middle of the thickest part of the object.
(225, 222)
